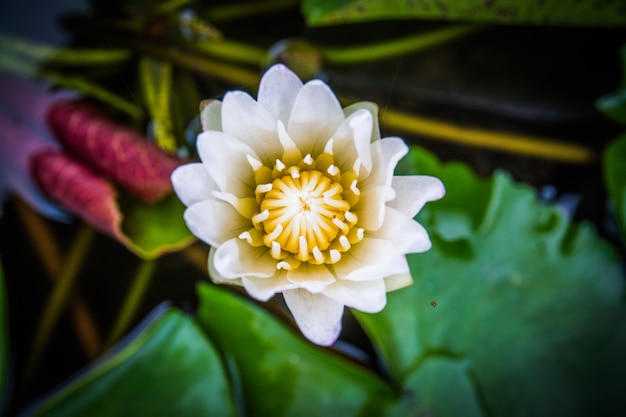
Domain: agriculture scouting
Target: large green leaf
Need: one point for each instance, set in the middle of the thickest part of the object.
(513, 301)
(615, 179)
(281, 374)
(169, 369)
(548, 12)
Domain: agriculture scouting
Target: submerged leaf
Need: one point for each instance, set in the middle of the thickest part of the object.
(531, 304)
(168, 369)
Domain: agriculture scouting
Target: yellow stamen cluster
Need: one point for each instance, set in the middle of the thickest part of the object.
(304, 210)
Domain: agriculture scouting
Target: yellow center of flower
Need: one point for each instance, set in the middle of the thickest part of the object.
(305, 211)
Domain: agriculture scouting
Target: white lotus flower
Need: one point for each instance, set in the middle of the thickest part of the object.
(297, 195)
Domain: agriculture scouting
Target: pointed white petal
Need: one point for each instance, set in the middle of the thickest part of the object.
(247, 206)
(192, 183)
(370, 259)
(264, 288)
(215, 221)
(313, 278)
(278, 90)
(366, 296)
(211, 115)
(215, 276)
(317, 316)
(395, 282)
(244, 119)
(376, 187)
(315, 116)
(225, 158)
(352, 141)
(236, 258)
(413, 191)
(372, 108)
(406, 234)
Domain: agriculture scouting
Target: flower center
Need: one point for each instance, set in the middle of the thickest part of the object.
(305, 212)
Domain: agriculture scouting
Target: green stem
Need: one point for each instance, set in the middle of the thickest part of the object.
(133, 300)
(58, 297)
(61, 55)
(222, 71)
(353, 55)
(253, 8)
(232, 51)
(12, 64)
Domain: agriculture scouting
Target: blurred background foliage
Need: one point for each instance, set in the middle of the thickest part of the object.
(518, 309)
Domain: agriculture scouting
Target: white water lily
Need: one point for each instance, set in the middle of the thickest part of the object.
(297, 196)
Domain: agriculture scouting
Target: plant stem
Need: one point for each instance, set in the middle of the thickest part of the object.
(232, 51)
(133, 300)
(12, 64)
(58, 297)
(45, 246)
(253, 8)
(222, 71)
(61, 55)
(419, 42)
(546, 148)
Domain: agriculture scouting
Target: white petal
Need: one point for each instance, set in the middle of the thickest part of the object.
(313, 278)
(317, 316)
(370, 259)
(236, 258)
(192, 183)
(264, 288)
(215, 221)
(247, 206)
(373, 109)
(395, 282)
(211, 115)
(366, 296)
(376, 188)
(352, 141)
(215, 276)
(249, 122)
(225, 158)
(406, 234)
(413, 191)
(315, 116)
(278, 90)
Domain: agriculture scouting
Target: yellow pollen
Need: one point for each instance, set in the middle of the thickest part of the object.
(303, 215)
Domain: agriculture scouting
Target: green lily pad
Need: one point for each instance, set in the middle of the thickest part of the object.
(531, 304)
(169, 369)
(281, 374)
(547, 12)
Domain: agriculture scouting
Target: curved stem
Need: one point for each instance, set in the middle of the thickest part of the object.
(48, 251)
(133, 300)
(222, 71)
(11, 63)
(58, 297)
(421, 41)
(546, 148)
(253, 8)
(232, 51)
(61, 55)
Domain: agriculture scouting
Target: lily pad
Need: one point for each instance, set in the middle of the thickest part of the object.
(531, 304)
(168, 369)
(547, 12)
(278, 373)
